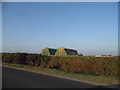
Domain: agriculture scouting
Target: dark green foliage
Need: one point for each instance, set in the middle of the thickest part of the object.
(18, 58)
(31, 59)
(37, 60)
(107, 66)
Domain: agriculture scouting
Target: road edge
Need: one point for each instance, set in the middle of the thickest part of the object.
(66, 77)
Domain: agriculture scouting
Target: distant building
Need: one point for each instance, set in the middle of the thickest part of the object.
(66, 52)
(103, 56)
(98, 56)
(48, 51)
(80, 54)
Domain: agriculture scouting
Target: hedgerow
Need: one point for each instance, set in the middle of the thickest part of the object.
(107, 66)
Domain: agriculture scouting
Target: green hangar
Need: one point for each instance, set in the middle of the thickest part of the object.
(66, 52)
(48, 51)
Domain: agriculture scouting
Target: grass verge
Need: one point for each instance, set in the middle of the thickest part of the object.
(97, 78)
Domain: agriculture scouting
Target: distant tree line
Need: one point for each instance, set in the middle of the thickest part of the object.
(107, 66)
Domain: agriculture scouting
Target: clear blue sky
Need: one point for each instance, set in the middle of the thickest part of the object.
(91, 28)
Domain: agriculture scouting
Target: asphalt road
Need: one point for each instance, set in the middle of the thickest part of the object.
(14, 78)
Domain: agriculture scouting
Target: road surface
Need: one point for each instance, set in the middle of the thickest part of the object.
(14, 78)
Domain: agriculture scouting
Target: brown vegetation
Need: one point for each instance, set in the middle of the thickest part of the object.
(107, 66)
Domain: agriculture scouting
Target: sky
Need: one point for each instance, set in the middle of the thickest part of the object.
(89, 27)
